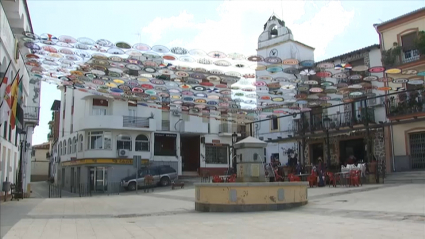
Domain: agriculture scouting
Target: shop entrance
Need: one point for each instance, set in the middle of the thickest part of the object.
(354, 147)
(190, 152)
(316, 151)
(98, 179)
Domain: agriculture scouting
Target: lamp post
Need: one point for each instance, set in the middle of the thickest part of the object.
(234, 138)
(327, 124)
(23, 145)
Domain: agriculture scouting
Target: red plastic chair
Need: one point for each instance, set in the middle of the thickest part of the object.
(354, 178)
(232, 178)
(293, 178)
(217, 179)
(332, 179)
(312, 179)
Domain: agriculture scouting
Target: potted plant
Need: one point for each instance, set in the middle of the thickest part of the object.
(420, 43)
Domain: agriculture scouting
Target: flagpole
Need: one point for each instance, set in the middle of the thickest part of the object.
(5, 73)
(14, 78)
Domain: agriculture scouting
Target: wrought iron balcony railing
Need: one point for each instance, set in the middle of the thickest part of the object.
(406, 103)
(31, 113)
(135, 122)
(320, 121)
(410, 56)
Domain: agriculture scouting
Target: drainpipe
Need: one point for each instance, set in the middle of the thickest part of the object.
(392, 148)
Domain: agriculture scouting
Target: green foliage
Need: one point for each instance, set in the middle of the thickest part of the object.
(420, 42)
(389, 57)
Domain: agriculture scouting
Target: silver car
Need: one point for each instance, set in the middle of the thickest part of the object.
(163, 175)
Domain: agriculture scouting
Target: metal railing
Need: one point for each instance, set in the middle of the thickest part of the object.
(315, 122)
(135, 122)
(31, 113)
(165, 125)
(406, 103)
(410, 56)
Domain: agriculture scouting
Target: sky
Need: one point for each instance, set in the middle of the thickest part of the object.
(331, 27)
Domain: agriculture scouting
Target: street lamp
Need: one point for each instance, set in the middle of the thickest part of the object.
(327, 124)
(23, 141)
(234, 139)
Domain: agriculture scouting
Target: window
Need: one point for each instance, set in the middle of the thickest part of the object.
(124, 142)
(80, 138)
(100, 107)
(142, 143)
(216, 154)
(74, 145)
(165, 144)
(99, 110)
(274, 123)
(408, 41)
(60, 148)
(69, 145)
(99, 140)
(64, 147)
(359, 62)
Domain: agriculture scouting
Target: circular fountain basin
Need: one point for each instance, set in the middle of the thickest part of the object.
(248, 197)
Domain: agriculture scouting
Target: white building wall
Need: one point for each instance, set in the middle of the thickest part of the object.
(9, 150)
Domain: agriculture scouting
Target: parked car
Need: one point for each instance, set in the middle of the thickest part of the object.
(163, 175)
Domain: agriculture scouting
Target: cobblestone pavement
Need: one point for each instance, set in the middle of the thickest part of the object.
(367, 212)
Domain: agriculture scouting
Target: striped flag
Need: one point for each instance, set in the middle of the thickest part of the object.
(19, 110)
(14, 102)
(4, 108)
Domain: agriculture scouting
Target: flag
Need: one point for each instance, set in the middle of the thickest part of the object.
(14, 101)
(4, 107)
(19, 110)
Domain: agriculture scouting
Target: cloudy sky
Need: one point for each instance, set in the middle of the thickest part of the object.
(332, 27)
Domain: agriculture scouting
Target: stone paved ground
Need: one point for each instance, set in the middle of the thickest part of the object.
(365, 212)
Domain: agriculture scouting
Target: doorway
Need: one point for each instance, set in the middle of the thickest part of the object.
(354, 147)
(190, 152)
(98, 179)
(316, 151)
(417, 150)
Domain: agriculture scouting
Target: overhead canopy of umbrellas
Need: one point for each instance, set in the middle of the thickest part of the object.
(207, 84)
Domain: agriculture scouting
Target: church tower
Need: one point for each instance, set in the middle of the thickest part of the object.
(277, 40)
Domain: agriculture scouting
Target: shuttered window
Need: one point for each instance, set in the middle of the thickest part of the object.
(408, 41)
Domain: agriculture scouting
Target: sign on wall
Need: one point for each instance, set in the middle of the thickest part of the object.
(34, 91)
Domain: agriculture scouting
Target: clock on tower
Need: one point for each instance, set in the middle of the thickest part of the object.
(273, 53)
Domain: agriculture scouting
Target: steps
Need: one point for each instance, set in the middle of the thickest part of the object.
(417, 177)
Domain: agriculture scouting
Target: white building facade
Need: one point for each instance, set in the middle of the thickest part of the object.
(14, 20)
(279, 128)
(99, 136)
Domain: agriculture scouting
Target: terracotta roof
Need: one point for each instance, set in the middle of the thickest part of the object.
(400, 17)
(351, 53)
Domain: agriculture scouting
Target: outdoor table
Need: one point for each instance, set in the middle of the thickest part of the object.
(303, 176)
(342, 176)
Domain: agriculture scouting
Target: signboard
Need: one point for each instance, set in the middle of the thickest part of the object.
(166, 135)
(98, 161)
(215, 141)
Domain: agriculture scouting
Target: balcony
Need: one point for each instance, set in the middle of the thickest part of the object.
(391, 59)
(165, 125)
(31, 114)
(115, 122)
(410, 56)
(406, 105)
(135, 122)
(315, 122)
(227, 129)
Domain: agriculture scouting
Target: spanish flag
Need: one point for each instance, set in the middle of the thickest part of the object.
(14, 101)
